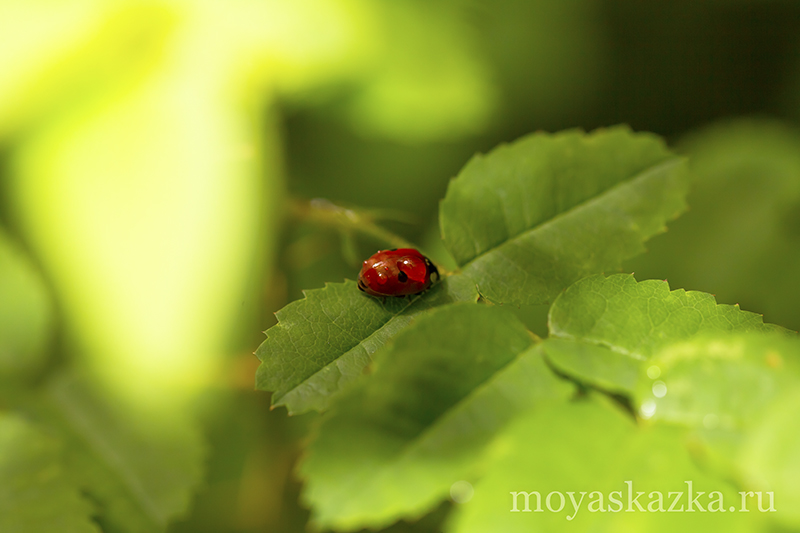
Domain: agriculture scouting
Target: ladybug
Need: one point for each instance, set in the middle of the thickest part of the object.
(396, 272)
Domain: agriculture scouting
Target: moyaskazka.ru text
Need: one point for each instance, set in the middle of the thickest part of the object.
(629, 500)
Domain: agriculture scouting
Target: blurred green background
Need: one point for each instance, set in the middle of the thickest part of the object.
(157, 159)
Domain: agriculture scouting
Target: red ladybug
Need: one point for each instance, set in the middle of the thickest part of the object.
(397, 272)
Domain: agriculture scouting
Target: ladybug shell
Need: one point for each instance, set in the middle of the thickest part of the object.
(397, 272)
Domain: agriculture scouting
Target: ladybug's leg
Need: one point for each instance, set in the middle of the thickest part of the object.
(432, 269)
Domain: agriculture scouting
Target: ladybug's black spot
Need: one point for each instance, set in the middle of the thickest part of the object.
(402, 277)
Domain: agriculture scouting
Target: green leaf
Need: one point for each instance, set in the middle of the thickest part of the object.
(582, 447)
(393, 445)
(36, 494)
(141, 467)
(530, 218)
(593, 364)
(739, 394)
(606, 327)
(323, 342)
(26, 314)
(770, 459)
(718, 381)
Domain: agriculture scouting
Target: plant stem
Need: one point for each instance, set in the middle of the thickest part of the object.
(346, 220)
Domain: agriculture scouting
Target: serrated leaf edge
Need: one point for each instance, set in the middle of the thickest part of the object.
(687, 294)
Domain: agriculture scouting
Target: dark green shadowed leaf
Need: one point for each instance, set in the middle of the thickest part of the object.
(530, 218)
(740, 240)
(392, 445)
(324, 341)
(139, 466)
(36, 494)
(26, 315)
(603, 328)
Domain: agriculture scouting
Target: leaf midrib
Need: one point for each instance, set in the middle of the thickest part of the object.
(294, 387)
(409, 446)
(83, 429)
(597, 198)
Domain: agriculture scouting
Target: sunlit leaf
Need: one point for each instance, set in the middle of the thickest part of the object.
(83, 47)
(530, 218)
(739, 394)
(770, 459)
(394, 444)
(587, 451)
(606, 327)
(324, 341)
(37, 494)
(724, 381)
